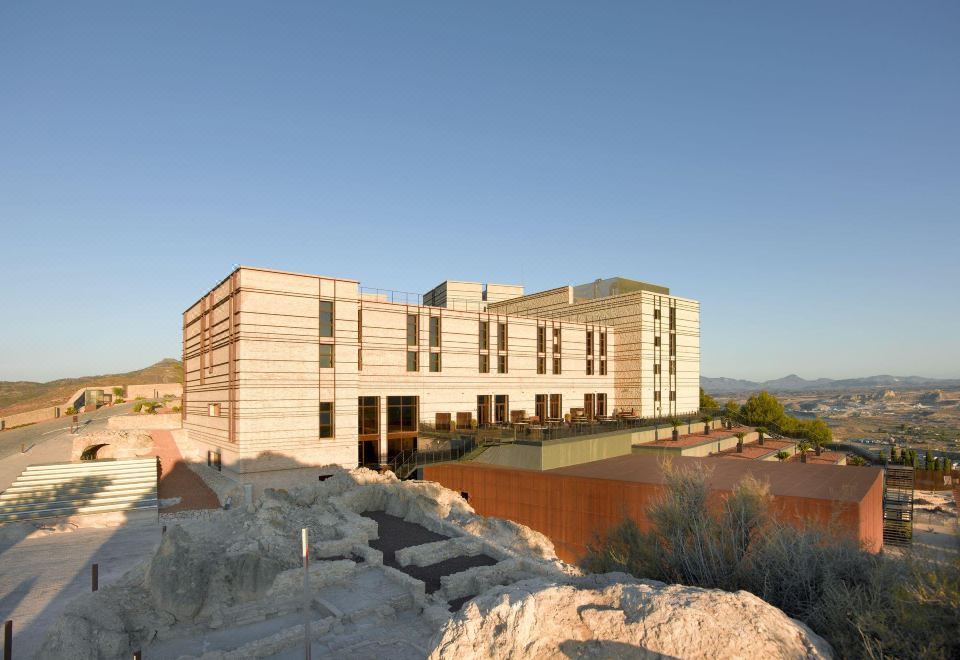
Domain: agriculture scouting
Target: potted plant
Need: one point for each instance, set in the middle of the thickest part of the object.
(706, 419)
(760, 433)
(676, 424)
(803, 447)
(782, 456)
(740, 435)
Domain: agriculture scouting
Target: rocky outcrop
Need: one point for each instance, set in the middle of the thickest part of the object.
(617, 616)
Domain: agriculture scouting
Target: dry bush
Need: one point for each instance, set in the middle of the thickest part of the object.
(865, 605)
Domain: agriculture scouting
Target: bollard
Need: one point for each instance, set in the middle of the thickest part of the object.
(307, 650)
(95, 577)
(8, 640)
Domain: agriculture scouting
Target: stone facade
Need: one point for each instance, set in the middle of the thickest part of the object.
(277, 365)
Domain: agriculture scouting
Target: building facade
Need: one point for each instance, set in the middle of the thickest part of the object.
(285, 370)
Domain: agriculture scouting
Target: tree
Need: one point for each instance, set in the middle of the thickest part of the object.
(803, 447)
(761, 431)
(676, 424)
(853, 459)
(740, 435)
(707, 402)
(731, 410)
(936, 464)
(894, 456)
(706, 419)
(763, 409)
(928, 460)
(818, 432)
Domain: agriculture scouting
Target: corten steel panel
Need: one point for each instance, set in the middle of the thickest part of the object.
(571, 510)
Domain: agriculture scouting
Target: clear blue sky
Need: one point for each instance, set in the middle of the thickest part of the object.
(794, 166)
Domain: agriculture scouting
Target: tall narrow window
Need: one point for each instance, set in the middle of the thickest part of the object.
(412, 361)
(603, 367)
(673, 395)
(483, 409)
(541, 339)
(656, 396)
(326, 419)
(556, 365)
(673, 318)
(434, 362)
(589, 366)
(673, 368)
(656, 315)
(434, 332)
(589, 342)
(326, 318)
(601, 404)
(656, 370)
(501, 408)
(541, 364)
(359, 325)
(411, 330)
(556, 405)
(359, 359)
(326, 356)
(673, 344)
(501, 336)
(556, 340)
(589, 405)
(368, 417)
(540, 407)
(656, 341)
(484, 363)
(603, 344)
(484, 335)
(501, 364)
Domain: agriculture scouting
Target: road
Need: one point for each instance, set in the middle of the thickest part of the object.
(36, 434)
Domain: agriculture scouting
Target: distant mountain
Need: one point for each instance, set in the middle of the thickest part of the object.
(22, 395)
(794, 383)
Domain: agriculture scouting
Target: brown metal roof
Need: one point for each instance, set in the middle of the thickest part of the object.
(836, 482)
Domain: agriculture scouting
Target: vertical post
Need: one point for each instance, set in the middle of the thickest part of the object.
(137, 655)
(95, 577)
(8, 640)
(305, 551)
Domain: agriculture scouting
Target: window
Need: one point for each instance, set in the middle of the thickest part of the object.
(484, 335)
(589, 366)
(589, 405)
(673, 395)
(656, 315)
(501, 336)
(656, 370)
(411, 330)
(326, 419)
(540, 407)
(556, 405)
(501, 364)
(501, 408)
(556, 340)
(673, 344)
(412, 362)
(434, 332)
(326, 356)
(434, 362)
(603, 367)
(359, 359)
(214, 409)
(601, 404)
(401, 414)
(484, 363)
(541, 339)
(656, 341)
(673, 318)
(556, 365)
(656, 396)
(589, 342)
(368, 417)
(673, 368)
(483, 409)
(541, 364)
(603, 344)
(359, 325)
(326, 318)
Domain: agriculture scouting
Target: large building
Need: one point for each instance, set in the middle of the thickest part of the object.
(284, 370)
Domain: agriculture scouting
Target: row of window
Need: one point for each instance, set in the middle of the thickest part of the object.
(673, 317)
(673, 395)
(673, 369)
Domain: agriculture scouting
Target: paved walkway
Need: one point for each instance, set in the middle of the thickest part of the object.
(39, 576)
(178, 480)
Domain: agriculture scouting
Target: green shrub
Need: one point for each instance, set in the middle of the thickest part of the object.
(864, 604)
(70, 411)
(176, 409)
(138, 406)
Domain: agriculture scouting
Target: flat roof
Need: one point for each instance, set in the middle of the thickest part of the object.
(836, 482)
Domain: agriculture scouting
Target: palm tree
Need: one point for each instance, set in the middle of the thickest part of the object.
(803, 447)
(676, 424)
(706, 419)
(856, 460)
(740, 435)
(782, 455)
(760, 432)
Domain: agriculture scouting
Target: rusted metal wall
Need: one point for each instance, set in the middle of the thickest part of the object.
(572, 510)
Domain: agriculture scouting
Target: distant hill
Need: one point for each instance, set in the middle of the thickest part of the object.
(794, 383)
(22, 395)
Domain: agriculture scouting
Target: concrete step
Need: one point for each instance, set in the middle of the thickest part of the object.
(96, 500)
(107, 463)
(145, 505)
(88, 467)
(77, 486)
(62, 493)
(80, 474)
